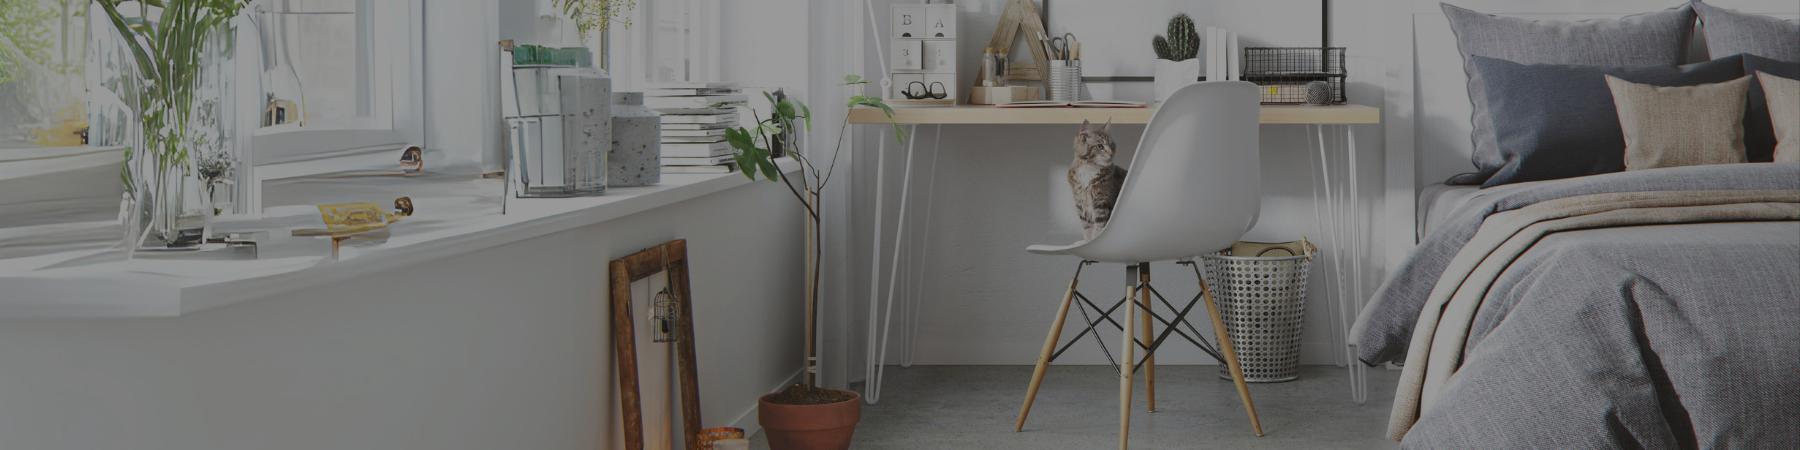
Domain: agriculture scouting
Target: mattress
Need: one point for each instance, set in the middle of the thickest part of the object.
(1438, 201)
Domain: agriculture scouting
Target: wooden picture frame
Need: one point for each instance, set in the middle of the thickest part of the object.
(668, 258)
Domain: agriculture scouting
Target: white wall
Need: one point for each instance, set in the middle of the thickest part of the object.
(985, 301)
(505, 347)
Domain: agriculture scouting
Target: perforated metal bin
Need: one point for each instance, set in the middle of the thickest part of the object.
(1263, 302)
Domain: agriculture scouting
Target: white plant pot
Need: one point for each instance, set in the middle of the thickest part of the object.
(1172, 75)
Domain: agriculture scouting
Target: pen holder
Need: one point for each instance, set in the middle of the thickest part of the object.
(1064, 81)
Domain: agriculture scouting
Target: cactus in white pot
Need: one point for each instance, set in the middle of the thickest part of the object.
(1177, 61)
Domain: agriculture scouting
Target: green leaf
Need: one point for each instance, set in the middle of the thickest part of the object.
(854, 79)
(740, 139)
(806, 113)
(785, 109)
(769, 169)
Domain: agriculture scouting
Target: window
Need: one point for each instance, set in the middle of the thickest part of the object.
(338, 83)
(41, 75)
(669, 40)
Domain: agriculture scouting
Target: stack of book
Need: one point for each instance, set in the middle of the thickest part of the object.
(694, 119)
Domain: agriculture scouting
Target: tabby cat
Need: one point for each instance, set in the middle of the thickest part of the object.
(1094, 178)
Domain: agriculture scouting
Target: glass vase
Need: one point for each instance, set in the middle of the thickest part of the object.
(169, 206)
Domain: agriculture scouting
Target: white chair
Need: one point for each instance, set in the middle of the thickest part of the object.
(1194, 188)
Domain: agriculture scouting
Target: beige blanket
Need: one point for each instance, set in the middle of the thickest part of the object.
(1435, 351)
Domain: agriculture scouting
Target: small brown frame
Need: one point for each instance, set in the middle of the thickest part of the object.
(670, 257)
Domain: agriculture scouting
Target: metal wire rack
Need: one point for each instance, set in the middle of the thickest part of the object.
(1283, 72)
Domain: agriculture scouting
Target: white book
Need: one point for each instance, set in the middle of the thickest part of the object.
(700, 119)
(720, 127)
(686, 92)
(708, 110)
(694, 150)
(721, 168)
(694, 85)
(1233, 57)
(691, 161)
(1215, 69)
(713, 132)
(695, 102)
(667, 139)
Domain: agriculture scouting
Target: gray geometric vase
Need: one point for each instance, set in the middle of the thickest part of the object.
(636, 156)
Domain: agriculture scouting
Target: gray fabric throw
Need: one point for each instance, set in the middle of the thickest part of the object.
(1437, 347)
(1384, 329)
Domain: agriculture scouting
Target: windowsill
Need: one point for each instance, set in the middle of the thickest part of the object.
(62, 286)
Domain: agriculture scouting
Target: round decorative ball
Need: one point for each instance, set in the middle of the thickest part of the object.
(1318, 93)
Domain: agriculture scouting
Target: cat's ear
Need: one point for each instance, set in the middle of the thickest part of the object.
(1084, 125)
(1108, 124)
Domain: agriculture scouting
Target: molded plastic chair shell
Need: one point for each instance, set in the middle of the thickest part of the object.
(1195, 185)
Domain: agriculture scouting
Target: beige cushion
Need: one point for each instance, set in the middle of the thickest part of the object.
(1681, 126)
(1784, 110)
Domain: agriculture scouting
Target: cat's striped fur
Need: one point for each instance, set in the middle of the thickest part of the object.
(1094, 178)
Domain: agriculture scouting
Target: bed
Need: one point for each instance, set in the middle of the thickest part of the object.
(1642, 309)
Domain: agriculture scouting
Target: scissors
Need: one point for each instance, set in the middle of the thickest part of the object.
(1063, 47)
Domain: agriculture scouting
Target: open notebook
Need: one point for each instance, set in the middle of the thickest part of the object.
(1080, 104)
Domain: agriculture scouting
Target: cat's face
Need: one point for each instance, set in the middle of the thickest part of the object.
(1094, 143)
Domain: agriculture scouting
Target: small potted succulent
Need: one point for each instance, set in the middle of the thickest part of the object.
(1177, 61)
(804, 416)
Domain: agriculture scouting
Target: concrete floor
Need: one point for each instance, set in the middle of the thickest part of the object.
(974, 407)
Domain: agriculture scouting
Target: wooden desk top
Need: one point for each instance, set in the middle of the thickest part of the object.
(989, 115)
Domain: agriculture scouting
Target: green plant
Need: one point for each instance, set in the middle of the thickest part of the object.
(592, 16)
(755, 157)
(1181, 44)
(168, 50)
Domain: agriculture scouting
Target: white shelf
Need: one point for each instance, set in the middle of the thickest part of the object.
(60, 286)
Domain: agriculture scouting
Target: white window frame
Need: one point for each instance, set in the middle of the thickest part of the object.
(631, 48)
(395, 83)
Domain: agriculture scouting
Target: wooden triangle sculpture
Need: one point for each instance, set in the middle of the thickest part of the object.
(1022, 16)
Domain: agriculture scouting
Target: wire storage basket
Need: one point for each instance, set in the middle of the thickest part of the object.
(1284, 72)
(1261, 292)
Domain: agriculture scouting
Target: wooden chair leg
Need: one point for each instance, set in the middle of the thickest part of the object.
(1149, 335)
(1043, 362)
(1231, 359)
(1128, 360)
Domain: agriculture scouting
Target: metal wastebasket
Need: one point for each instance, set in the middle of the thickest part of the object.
(1261, 292)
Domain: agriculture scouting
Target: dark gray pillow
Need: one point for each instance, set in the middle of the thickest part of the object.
(1554, 121)
(1759, 129)
(1650, 39)
(1731, 32)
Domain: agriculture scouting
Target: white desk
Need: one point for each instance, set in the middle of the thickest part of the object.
(1336, 215)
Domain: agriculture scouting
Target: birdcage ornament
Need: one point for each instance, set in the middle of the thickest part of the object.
(662, 316)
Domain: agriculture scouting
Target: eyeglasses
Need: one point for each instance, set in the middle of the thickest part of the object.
(935, 90)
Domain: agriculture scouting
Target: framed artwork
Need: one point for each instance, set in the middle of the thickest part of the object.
(672, 319)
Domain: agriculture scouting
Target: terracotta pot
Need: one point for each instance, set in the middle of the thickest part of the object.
(810, 427)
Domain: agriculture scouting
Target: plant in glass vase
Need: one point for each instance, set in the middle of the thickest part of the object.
(803, 416)
(169, 41)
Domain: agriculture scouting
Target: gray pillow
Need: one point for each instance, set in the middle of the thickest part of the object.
(1554, 121)
(1731, 32)
(1650, 39)
(1759, 132)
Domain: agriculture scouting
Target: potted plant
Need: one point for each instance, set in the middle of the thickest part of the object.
(1177, 62)
(803, 416)
(172, 43)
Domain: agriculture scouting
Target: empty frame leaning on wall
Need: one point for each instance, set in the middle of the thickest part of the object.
(670, 260)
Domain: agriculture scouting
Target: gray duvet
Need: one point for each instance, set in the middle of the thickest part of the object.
(1666, 336)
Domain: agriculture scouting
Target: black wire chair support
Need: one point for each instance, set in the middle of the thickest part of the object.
(1171, 326)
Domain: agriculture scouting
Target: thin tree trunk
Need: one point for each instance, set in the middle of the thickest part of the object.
(810, 377)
